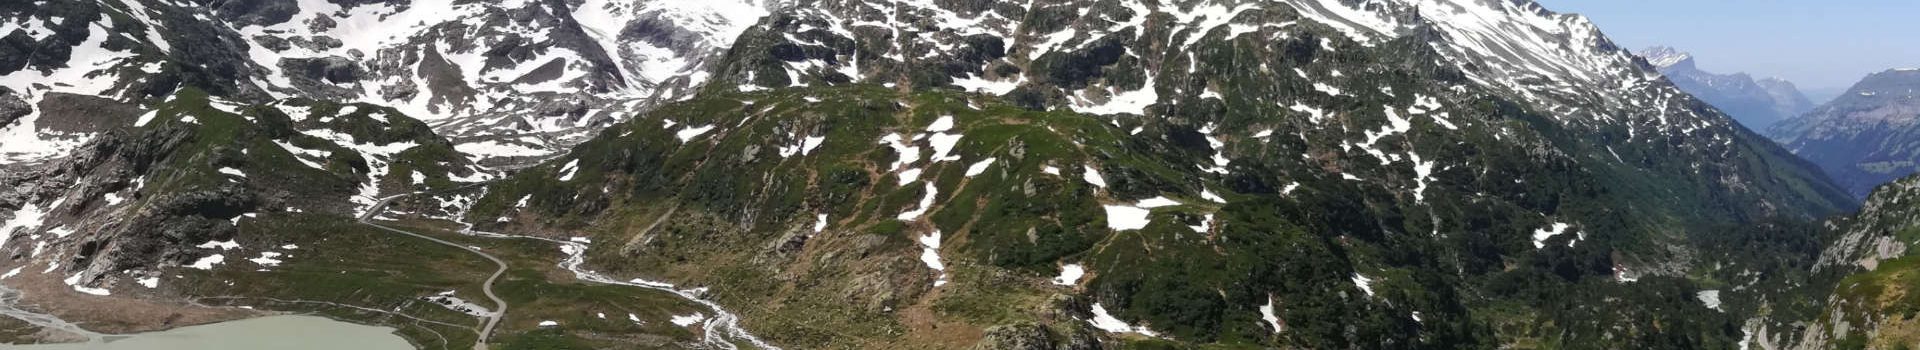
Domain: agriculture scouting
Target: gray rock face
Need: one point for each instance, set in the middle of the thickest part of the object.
(1757, 104)
(12, 107)
(70, 113)
(256, 12)
(1026, 336)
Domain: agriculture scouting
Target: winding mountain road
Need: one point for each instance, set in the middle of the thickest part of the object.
(500, 305)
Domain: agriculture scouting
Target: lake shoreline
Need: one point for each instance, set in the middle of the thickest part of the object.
(283, 331)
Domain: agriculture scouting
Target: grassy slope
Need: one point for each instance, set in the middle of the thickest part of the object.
(348, 271)
(340, 269)
(741, 219)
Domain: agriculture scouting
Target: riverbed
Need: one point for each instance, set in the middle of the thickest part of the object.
(286, 332)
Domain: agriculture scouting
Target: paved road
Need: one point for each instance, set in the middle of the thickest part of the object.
(500, 305)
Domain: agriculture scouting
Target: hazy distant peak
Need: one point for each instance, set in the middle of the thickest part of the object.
(1665, 57)
(1757, 103)
(1896, 83)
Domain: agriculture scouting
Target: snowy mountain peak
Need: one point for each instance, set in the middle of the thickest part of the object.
(1757, 104)
(1556, 62)
(1903, 82)
(505, 79)
(1666, 57)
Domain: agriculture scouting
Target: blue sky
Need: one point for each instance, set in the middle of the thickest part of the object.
(1818, 44)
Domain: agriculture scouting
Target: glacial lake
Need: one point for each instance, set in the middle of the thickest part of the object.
(288, 332)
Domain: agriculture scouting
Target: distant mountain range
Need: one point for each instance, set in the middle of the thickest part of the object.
(1864, 138)
(1757, 104)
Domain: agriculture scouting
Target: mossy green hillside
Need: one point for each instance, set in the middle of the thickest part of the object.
(1292, 232)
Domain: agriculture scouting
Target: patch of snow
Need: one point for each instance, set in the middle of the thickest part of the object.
(1106, 322)
(1272, 317)
(1330, 90)
(75, 283)
(227, 245)
(1118, 102)
(206, 263)
(1365, 284)
(146, 118)
(1710, 298)
(1127, 217)
(1359, 25)
(1208, 194)
(820, 223)
(1156, 202)
(494, 148)
(1423, 174)
(942, 145)
(941, 125)
(930, 255)
(268, 259)
(1092, 176)
(1313, 114)
(1540, 236)
(926, 202)
(28, 217)
(1070, 275)
(688, 320)
(302, 154)
(567, 171)
(908, 152)
(973, 83)
(1206, 225)
(690, 132)
(979, 167)
(810, 143)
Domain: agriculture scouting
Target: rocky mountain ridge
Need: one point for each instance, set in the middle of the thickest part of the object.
(1156, 130)
(1756, 103)
(1865, 138)
(506, 80)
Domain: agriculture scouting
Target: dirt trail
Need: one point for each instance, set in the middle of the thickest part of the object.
(500, 305)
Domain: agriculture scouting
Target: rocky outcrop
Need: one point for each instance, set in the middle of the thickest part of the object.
(12, 107)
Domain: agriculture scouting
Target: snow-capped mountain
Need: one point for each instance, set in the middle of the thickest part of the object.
(1758, 104)
(1865, 137)
(504, 79)
(915, 173)
(1663, 57)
